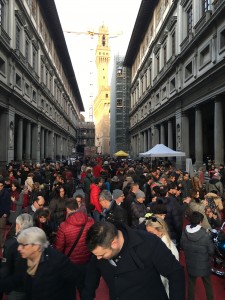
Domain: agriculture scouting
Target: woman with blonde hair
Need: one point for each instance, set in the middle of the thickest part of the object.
(157, 226)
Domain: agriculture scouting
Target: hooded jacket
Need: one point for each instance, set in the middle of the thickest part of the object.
(198, 246)
(67, 234)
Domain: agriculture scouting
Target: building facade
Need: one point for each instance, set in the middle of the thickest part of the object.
(176, 55)
(40, 102)
(102, 101)
(119, 107)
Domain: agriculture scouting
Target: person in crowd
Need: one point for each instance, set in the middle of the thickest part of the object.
(185, 185)
(95, 190)
(147, 189)
(157, 226)
(57, 207)
(215, 184)
(86, 184)
(29, 182)
(198, 247)
(129, 199)
(49, 274)
(196, 182)
(131, 261)
(118, 196)
(16, 203)
(115, 184)
(97, 169)
(42, 220)
(77, 223)
(218, 200)
(174, 216)
(5, 203)
(39, 202)
(212, 217)
(112, 212)
(138, 209)
(199, 205)
(24, 197)
(81, 203)
(11, 262)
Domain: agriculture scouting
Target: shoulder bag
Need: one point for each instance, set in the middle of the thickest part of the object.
(76, 241)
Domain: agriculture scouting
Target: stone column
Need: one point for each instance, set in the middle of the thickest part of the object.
(218, 133)
(19, 154)
(10, 134)
(155, 136)
(145, 141)
(42, 143)
(51, 145)
(34, 142)
(46, 144)
(149, 139)
(162, 134)
(170, 134)
(28, 141)
(198, 139)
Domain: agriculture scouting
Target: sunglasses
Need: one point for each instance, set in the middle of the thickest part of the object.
(154, 219)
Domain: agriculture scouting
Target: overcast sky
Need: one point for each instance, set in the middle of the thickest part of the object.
(83, 15)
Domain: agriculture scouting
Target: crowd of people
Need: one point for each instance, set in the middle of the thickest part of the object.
(71, 224)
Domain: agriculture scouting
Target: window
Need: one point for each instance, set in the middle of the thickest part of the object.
(2, 66)
(173, 36)
(34, 96)
(2, 13)
(206, 5)
(18, 80)
(157, 64)
(27, 44)
(222, 39)
(165, 54)
(18, 34)
(189, 20)
(27, 89)
(157, 98)
(119, 103)
(205, 56)
(172, 85)
(164, 92)
(188, 70)
(35, 60)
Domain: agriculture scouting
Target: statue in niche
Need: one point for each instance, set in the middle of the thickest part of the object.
(11, 134)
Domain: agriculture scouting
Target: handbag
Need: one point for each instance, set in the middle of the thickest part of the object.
(76, 241)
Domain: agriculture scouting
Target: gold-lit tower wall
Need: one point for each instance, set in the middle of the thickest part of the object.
(102, 101)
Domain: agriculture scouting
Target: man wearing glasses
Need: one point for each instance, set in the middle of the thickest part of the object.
(39, 202)
(4, 209)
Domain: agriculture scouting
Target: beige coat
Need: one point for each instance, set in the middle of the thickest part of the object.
(217, 200)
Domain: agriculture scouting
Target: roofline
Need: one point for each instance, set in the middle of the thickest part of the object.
(49, 11)
(144, 16)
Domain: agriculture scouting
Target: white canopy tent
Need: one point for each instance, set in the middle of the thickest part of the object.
(161, 150)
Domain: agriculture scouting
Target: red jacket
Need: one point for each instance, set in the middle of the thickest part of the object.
(68, 232)
(94, 193)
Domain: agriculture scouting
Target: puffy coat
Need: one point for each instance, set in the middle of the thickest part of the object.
(94, 193)
(198, 247)
(174, 217)
(138, 210)
(67, 234)
(115, 214)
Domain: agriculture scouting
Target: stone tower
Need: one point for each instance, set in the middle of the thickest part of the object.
(102, 100)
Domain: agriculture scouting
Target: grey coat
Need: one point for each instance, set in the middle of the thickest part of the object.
(198, 247)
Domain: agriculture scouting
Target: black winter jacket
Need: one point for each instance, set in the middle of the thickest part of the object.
(137, 274)
(198, 247)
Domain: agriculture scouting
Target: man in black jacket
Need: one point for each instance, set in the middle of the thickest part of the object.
(4, 209)
(112, 212)
(131, 261)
